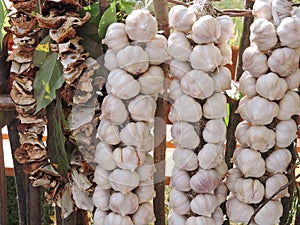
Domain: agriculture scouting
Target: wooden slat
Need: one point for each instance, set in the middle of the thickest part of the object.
(2, 185)
(6, 103)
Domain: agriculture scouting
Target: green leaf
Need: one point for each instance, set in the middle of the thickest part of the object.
(88, 29)
(41, 52)
(108, 17)
(91, 46)
(95, 13)
(128, 5)
(48, 79)
(3, 19)
(55, 139)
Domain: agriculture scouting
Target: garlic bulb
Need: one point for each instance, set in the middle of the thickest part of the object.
(204, 204)
(289, 105)
(215, 106)
(269, 214)
(293, 80)
(280, 10)
(99, 217)
(271, 86)
(116, 37)
(123, 204)
(211, 155)
(222, 169)
(234, 175)
(221, 193)
(121, 84)
(175, 219)
(101, 177)
(263, 9)
(238, 211)
(185, 109)
(184, 135)
(152, 81)
(278, 161)
(218, 216)
(247, 84)
(181, 18)
(249, 162)
(226, 53)
(179, 68)
(285, 133)
(258, 110)
(110, 60)
(156, 48)
(240, 132)
(175, 90)
(114, 218)
(205, 57)
(263, 34)
(142, 108)
(214, 131)
(128, 158)
(178, 46)
(205, 181)
(255, 61)
(113, 110)
(101, 198)
(273, 184)
(144, 214)
(283, 61)
(179, 202)
(147, 169)
(206, 30)
(260, 138)
(185, 159)
(199, 220)
(140, 25)
(289, 32)
(104, 157)
(197, 84)
(145, 191)
(227, 28)
(222, 79)
(133, 59)
(249, 191)
(123, 180)
(108, 133)
(180, 179)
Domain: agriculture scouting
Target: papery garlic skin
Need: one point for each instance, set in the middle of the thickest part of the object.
(180, 179)
(99, 217)
(145, 191)
(175, 90)
(205, 181)
(214, 131)
(260, 138)
(185, 159)
(108, 133)
(278, 161)
(249, 191)
(179, 68)
(179, 202)
(123, 204)
(144, 214)
(289, 32)
(255, 61)
(263, 9)
(211, 155)
(116, 37)
(178, 46)
(215, 106)
(289, 105)
(142, 108)
(270, 213)
(293, 80)
(226, 53)
(104, 157)
(156, 48)
(152, 81)
(238, 211)
(227, 28)
(114, 218)
(204, 204)
(240, 132)
(175, 219)
(184, 135)
(247, 84)
(222, 79)
(181, 18)
(101, 198)
(200, 220)
(123, 180)
(101, 177)
(285, 132)
(147, 169)
(110, 60)
(273, 184)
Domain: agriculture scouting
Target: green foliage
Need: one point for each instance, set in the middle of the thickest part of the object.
(108, 17)
(56, 140)
(41, 52)
(94, 11)
(47, 80)
(3, 20)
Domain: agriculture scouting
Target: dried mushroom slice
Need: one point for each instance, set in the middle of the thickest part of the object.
(22, 55)
(50, 22)
(31, 167)
(61, 34)
(30, 119)
(26, 110)
(21, 155)
(64, 6)
(25, 83)
(21, 24)
(22, 68)
(37, 128)
(82, 97)
(71, 76)
(27, 6)
(36, 153)
(72, 60)
(80, 116)
(20, 97)
(27, 41)
(83, 135)
(72, 46)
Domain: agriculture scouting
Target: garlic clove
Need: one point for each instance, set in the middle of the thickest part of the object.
(175, 219)
(181, 18)
(227, 28)
(234, 175)
(101, 198)
(255, 61)
(289, 32)
(116, 37)
(179, 46)
(210, 156)
(221, 193)
(226, 53)
(238, 211)
(104, 156)
(204, 204)
(108, 133)
(218, 216)
(144, 214)
(145, 191)
(99, 217)
(263, 9)
(184, 135)
(273, 184)
(185, 159)
(270, 213)
(240, 132)
(123, 204)
(142, 108)
(247, 84)
(286, 133)
(179, 202)
(175, 90)
(179, 68)
(278, 161)
(215, 106)
(180, 179)
(289, 105)
(222, 79)
(110, 60)
(101, 177)
(205, 181)
(152, 81)
(215, 131)
(249, 191)
(115, 218)
(222, 169)
(156, 48)
(123, 180)
(293, 80)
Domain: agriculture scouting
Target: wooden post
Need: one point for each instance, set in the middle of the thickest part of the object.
(161, 13)
(3, 205)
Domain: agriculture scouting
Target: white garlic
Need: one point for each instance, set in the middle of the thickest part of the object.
(116, 37)
(101, 198)
(152, 81)
(179, 46)
(185, 159)
(283, 61)
(175, 219)
(128, 158)
(156, 48)
(206, 30)
(123, 204)
(273, 184)
(184, 135)
(238, 211)
(293, 80)
(249, 191)
(108, 133)
(280, 10)
(144, 214)
(199, 220)
(222, 79)
(205, 181)
(140, 25)
(221, 192)
(147, 169)
(222, 169)
(226, 53)
(263, 9)
(289, 105)
(269, 214)
(247, 84)
(215, 106)
(255, 61)
(110, 60)
(214, 131)
(123, 180)
(142, 108)
(258, 110)
(204, 204)
(227, 28)
(263, 34)
(285, 133)
(104, 157)
(175, 90)
(180, 179)
(289, 32)
(133, 59)
(181, 18)
(121, 84)
(101, 177)
(99, 217)
(211, 155)
(240, 132)
(185, 109)
(179, 202)
(115, 218)
(197, 84)
(205, 57)
(271, 86)
(249, 162)
(278, 161)
(218, 216)
(260, 138)
(179, 68)
(234, 175)
(145, 191)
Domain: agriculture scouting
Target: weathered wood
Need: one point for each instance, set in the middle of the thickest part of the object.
(3, 205)
(6, 103)
(161, 14)
(103, 5)
(33, 204)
